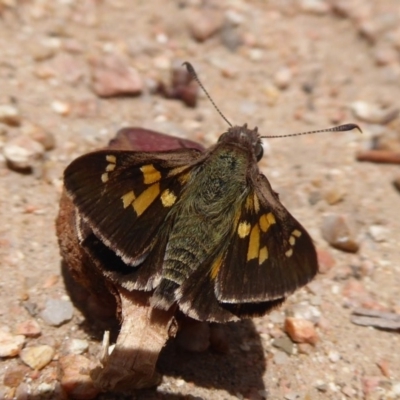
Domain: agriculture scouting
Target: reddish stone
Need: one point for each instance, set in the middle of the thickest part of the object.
(28, 328)
(325, 261)
(301, 330)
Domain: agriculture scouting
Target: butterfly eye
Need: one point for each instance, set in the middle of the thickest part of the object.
(259, 151)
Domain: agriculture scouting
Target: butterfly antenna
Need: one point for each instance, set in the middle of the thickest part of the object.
(340, 128)
(192, 72)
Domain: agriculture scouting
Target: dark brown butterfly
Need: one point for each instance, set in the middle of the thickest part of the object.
(203, 230)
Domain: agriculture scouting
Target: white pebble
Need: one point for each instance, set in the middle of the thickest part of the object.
(334, 356)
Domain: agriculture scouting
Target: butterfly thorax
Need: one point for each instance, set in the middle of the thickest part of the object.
(205, 215)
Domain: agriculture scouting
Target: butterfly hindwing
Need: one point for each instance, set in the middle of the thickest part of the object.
(125, 196)
(269, 255)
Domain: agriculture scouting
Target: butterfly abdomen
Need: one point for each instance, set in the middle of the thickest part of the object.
(203, 221)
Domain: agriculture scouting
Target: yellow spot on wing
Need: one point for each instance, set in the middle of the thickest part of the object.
(128, 198)
(266, 220)
(249, 203)
(263, 255)
(254, 243)
(112, 159)
(296, 233)
(243, 229)
(289, 253)
(110, 167)
(271, 218)
(104, 177)
(215, 267)
(176, 170)
(292, 240)
(150, 174)
(145, 199)
(256, 204)
(168, 198)
(184, 178)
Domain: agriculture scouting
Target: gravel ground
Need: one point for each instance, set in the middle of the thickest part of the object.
(284, 66)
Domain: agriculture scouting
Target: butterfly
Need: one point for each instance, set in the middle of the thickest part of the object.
(201, 230)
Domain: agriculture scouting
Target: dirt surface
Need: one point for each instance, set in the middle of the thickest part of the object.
(284, 66)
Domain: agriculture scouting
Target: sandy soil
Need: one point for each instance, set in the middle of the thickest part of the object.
(331, 65)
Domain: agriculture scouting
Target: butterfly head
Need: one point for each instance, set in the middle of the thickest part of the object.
(242, 136)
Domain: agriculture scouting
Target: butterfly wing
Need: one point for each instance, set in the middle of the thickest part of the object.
(197, 299)
(269, 255)
(125, 197)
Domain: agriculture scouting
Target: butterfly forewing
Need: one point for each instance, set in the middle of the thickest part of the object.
(125, 196)
(270, 254)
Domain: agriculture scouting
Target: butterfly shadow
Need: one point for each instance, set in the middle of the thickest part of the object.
(239, 370)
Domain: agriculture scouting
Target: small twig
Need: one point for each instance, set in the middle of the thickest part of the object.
(379, 156)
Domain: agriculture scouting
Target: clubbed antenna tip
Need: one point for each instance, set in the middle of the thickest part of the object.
(192, 72)
(339, 128)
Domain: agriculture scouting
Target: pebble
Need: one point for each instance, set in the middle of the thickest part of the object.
(112, 76)
(317, 7)
(283, 343)
(57, 312)
(69, 68)
(77, 346)
(325, 261)
(40, 51)
(301, 330)
(61, 107)
(369, 30)
(204, 24)
(334, 195)
(343, 272)
(304, 348)
(29, 328)
(10, 115)
(256, 54)
(10, 345)
(385, 55)
(294, 396)
(304, 311)
(334, 356)
(379, 233)
(349, 392)
(283, 78)
(272, 94)
(371, 113)
(276, 317)
(75, 379)
(182, 87)
(355, 294)
(22, 152)
(384, 366)
(395, 392)
(23, 392)
(281, 358)
(35, 132)
(321, 386)
(314, 197)
(15, 375)
(230, 36)
(37, 357)
(370, 384)
(338, 232)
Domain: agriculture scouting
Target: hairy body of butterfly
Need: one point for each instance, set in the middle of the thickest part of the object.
(203, 230)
